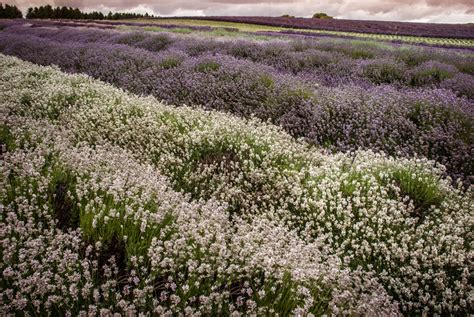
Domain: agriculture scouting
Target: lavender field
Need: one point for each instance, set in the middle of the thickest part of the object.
(465, 31)
(158, 173)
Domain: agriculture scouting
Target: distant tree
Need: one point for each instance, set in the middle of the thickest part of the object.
(35, 14)
(42, 13)
(10, 12)
(56, 13)
(29, 13)
(287, 16)
(64, 13)
(321, 15)
(77, 14)
(94, 15)
(126, 15)
(48, 11)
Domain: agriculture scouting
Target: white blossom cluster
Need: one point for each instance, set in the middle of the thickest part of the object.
(112, 203)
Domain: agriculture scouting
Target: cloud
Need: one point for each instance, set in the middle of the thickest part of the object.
(460, 11)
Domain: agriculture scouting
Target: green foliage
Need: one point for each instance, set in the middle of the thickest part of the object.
(170, 62)
(7, 141)
(131, 38)
(64, 205)
(136, 242)
(267, 81)
(429, 76)
(412, 57)
(300, 92)
(208, 66)
(321, 15)
(422, 189)
(181, 30)
(156, 43)
(360, 53)
(383, 72)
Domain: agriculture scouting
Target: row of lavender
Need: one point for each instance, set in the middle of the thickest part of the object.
(329, 62)
(430, 122)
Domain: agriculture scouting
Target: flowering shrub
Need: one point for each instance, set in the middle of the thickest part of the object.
(155, 43)
(383, 72)
(115, 203)
(462, 84)
(430, 73)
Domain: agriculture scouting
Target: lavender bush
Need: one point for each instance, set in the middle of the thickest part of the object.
(430, 73)
(383, 71)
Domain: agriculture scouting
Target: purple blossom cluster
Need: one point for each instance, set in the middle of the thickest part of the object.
(343, 96)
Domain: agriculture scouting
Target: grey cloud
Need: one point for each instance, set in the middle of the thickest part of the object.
(404, 10)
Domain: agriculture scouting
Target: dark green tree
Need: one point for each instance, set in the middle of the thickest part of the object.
(321, 15)
(10, 12)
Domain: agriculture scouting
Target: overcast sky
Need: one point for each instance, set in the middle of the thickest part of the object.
(455, 11)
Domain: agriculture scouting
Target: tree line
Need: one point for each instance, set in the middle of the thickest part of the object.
(318, 15)
(10, 12)
(48, 12)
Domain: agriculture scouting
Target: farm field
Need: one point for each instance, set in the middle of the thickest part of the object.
(254, 31)
(185, 170)
(448, 36)
(359, 26)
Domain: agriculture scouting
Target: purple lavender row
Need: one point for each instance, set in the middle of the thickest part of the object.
(430, 122)
(113, 24)
(422, 42)
(375, 27)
